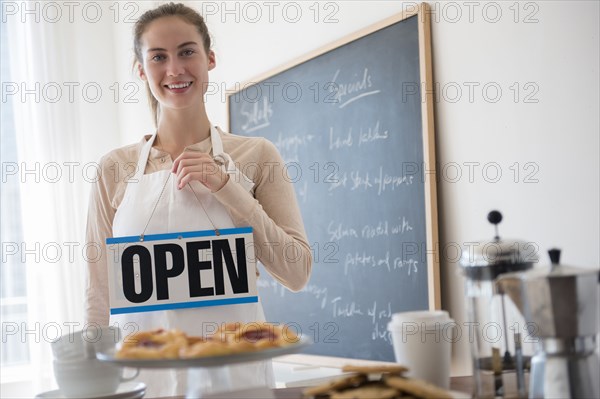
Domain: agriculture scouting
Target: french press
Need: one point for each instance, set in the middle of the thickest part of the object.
(500, 339)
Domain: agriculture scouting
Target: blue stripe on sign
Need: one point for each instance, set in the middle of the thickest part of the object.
(185, 305)
(170, 236)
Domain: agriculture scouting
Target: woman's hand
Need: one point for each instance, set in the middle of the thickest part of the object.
(193, 165)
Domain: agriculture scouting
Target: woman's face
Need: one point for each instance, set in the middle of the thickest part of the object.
(175, 64)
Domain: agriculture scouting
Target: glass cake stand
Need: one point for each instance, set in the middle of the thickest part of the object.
(212, 376)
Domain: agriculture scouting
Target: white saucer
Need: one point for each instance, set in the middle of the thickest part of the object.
(127, 390)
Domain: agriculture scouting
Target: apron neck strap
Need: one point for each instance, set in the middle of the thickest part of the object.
(217, 144)
(228, 164)
(143, 159)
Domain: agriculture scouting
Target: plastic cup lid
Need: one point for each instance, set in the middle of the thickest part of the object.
(426, 317)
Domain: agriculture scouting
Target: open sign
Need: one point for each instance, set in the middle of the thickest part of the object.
(181, 270)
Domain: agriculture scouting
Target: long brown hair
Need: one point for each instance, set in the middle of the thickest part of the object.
(182, 11)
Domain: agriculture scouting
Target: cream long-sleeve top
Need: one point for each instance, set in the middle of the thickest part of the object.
(270, 208)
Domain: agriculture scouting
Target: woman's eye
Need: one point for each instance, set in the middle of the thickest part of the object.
(187, 52)
(158, 57)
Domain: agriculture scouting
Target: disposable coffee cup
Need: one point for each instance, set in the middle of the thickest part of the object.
(422, 342)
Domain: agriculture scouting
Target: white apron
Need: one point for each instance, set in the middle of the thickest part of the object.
(177, 211)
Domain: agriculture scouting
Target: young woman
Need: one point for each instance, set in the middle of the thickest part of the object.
(192, 169)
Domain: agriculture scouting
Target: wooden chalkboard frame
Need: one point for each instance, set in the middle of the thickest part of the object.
(427, 117)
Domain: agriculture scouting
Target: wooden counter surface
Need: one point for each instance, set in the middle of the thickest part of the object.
(463, 384)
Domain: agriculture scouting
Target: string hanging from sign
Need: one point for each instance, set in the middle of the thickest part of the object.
(154, 208)
(204, 209)
(158, 200)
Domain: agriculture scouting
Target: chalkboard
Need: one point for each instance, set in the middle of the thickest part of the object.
(354, 124)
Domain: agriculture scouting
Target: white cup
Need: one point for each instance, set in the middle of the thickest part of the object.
(88, 377)
(422, 341)
(77, 371)
(84, 344)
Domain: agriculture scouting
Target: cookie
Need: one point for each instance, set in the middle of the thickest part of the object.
(347, 382)
(367, 392)
(417, 388)
(384, 368)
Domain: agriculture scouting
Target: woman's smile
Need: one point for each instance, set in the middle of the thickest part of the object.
(178, 87)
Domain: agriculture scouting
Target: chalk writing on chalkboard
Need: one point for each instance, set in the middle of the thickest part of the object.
(356, 144)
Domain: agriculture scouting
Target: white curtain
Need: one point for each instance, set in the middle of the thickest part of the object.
(63, 124)
(75, 98)
(48, 141)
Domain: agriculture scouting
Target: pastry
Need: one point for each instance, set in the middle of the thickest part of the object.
(230, 338)
(156, 344)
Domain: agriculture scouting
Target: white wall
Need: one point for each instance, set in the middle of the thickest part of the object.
(552, 142)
